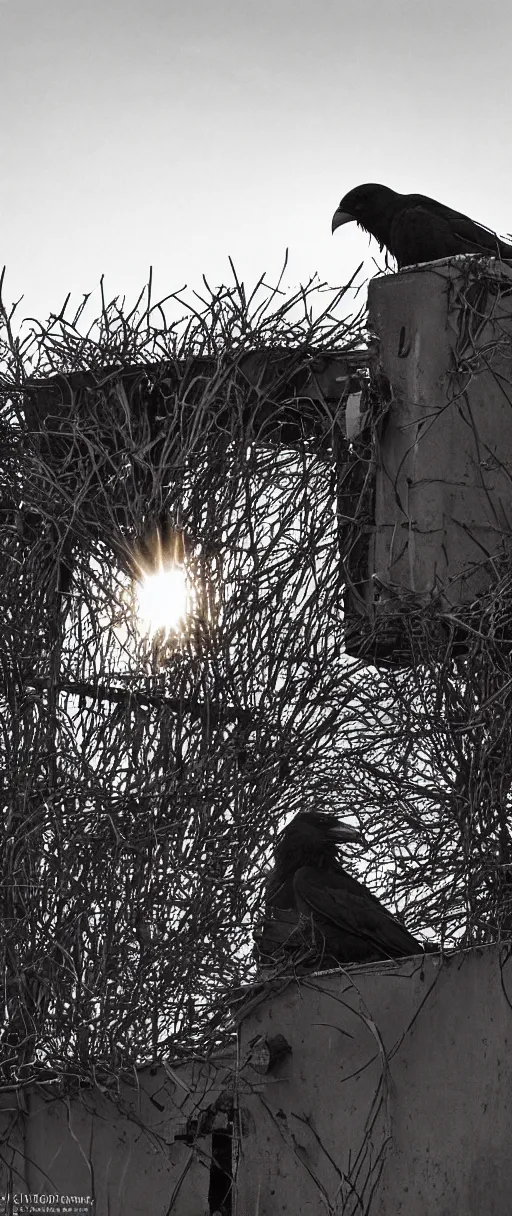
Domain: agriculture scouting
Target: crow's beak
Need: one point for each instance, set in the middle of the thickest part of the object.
(339, 218)
(343, 834)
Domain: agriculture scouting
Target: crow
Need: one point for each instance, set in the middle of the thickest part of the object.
(415, 228)
(313, 904)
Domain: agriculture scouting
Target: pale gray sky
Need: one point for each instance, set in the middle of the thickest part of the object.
(176, 132)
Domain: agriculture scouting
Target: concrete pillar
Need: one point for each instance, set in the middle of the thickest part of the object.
(442, 502)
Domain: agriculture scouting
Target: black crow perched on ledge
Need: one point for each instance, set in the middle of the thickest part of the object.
(415, 228)
(313, 903)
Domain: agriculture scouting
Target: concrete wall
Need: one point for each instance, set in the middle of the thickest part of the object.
(122, 1152)
(396, 1099)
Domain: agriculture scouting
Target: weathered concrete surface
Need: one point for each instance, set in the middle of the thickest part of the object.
(442, 507)
(123, 1152)
(397, 1098)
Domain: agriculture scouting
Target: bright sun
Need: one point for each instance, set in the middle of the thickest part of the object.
(162, 598)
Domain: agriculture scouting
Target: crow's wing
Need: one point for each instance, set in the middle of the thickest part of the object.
(466, 229)
(354, 926)
(424, 230)
(279, 889)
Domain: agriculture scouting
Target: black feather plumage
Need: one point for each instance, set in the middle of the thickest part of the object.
(312, 902)
(415, 228)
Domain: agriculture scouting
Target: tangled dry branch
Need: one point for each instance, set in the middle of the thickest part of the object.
(143, 786)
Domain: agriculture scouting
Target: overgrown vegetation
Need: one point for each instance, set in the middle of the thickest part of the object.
(143, 784)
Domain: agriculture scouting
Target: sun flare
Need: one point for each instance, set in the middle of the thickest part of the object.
(162, 598)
